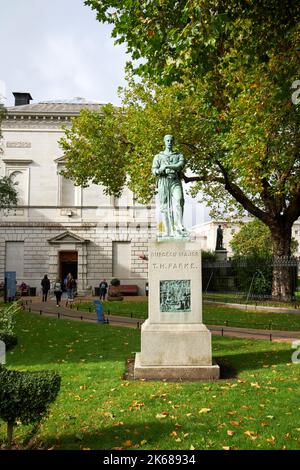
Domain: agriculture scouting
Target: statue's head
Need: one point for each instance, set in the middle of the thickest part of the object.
(168, 140)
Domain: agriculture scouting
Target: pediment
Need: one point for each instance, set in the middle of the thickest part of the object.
(67, 237)
(60, 160)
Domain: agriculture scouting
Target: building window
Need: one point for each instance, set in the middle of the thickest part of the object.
(232, 231)
(67, 194)
(14, 258)
(20, 178)
(121, 259)
(296, 232)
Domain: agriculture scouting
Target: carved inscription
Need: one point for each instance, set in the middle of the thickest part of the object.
(18, 144)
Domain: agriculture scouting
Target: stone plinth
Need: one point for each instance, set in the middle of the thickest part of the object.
(175, 344)
(221, 255)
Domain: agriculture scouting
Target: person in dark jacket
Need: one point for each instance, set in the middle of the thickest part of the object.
(71, 285)
(45, 283)
(103, 289)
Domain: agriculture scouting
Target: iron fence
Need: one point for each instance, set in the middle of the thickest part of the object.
(248, 279)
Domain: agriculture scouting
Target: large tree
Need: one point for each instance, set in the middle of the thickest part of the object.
(225, 70)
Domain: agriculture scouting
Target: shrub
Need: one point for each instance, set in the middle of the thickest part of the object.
(26, 396)
(8, 317)
(115, 282)
(9, 339)
(254, 275)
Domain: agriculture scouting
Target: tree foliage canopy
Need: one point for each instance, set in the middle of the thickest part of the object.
(218, 75)
(254, 240)
(230, 65)
(8, 192)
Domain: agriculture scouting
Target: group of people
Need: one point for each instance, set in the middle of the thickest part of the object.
(69, 285)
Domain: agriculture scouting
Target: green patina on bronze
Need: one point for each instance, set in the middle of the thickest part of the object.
(175, 296)
(168, 166)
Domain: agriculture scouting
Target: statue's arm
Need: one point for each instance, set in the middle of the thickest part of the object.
(177, 166)
(156, 167)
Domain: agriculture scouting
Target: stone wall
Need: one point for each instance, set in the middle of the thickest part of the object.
(94, 253)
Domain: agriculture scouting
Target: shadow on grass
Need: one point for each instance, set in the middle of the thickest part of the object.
(125, 437)
(237, 363)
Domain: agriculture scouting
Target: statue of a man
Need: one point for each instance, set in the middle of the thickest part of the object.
(168, 166)
(219, 243)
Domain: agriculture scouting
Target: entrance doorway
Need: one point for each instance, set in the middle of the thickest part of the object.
(68, 263)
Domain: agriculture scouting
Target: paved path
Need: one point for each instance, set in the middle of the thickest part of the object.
(67, 313)
(49, 308)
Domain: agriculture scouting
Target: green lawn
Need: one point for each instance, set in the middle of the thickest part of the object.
(241, 298)
(98, 409)
(212, 314)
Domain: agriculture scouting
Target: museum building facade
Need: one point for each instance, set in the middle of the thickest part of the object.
(57, 227)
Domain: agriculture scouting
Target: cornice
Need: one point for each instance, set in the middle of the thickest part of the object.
(19, 161)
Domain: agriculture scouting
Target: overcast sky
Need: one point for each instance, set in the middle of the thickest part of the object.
(55, 49)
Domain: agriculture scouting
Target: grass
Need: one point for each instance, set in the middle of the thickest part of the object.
(241, 298)
(98, 409)
(212, 315)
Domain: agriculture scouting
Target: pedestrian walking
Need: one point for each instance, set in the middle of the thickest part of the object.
(103, 289)
(45, 283)
(58, 291)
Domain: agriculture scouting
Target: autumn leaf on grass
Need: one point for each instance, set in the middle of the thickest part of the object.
(136, 405)
(231, 413)
(271, 440)
(255, 384)
(253, 435)
(127, 443)
(230, 432)
(264, 424)
(78, 398)
(234, 423)
(173, 434)
(162, 415)
(205, 410)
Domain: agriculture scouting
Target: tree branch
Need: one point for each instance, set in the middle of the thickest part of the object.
(241, 197)
(293, 210)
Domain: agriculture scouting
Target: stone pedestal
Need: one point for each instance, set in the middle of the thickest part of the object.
(221, 255)
(175, 344)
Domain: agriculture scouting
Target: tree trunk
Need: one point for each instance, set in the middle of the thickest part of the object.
(10, 428)
(282, 271)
